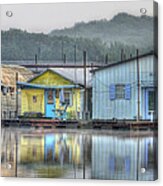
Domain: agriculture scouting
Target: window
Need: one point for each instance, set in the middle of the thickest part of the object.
(120, 91)
(50, 97)
(151, 100)
(68, 98)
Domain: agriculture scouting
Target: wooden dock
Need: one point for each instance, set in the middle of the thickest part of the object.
(46, 123)
(92, 124)
(125, 124)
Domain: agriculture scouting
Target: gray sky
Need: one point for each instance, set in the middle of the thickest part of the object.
(46, 17)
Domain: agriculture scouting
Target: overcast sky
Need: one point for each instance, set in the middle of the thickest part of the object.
(46, 17)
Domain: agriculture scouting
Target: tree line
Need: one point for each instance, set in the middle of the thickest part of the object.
(21, 45)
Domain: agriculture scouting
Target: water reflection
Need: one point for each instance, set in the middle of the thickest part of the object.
(123, 158)
(79, 154)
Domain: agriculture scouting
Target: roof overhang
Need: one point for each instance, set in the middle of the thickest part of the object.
(23, 85)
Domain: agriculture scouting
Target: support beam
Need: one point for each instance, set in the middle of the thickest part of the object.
(36, 60)
(85, 84)
(75, 75)
(59, 65)
(138, 85)
(17, 101)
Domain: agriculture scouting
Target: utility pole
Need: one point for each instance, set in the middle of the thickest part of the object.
(138, 85)
(85, 84)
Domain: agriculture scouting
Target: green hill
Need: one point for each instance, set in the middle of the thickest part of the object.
(124, 28)
(102, 40)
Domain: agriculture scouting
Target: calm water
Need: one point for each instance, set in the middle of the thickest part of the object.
(84, 154)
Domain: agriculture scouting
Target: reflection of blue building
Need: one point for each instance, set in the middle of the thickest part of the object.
(49, 147)
(62, 148)
(119, 158)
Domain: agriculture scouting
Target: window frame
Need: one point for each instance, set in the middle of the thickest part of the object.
(120, 95)
(70, 97)
(50, 97)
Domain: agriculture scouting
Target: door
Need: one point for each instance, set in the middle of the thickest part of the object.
(50, 103)
(150, 105)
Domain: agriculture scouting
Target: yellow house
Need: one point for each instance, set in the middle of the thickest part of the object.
(55, 93)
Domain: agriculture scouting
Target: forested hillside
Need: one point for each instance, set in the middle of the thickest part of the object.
(124, 28)
(99, 38)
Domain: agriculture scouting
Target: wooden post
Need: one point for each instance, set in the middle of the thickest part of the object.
(36, 59)
(64, 58)
(121, 54)
(39, 52)
(75, 54)
(106, 59)
(75, 74)
(85, 84)
(138, 85)
(17, 101)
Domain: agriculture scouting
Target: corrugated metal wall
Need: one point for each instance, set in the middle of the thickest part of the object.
(125, 73)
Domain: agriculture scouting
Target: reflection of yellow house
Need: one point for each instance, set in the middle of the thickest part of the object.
(56, 93)
(72, 145)
(49, 147)
(76, 153)
(31, 148)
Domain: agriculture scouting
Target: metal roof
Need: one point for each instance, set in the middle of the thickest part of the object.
(125, 61)
(75, 75)
(8, 77)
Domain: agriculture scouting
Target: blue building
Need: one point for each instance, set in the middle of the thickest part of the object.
(115, 89)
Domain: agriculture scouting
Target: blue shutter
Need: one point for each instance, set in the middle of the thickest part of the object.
(128, 92)
(112, 92)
